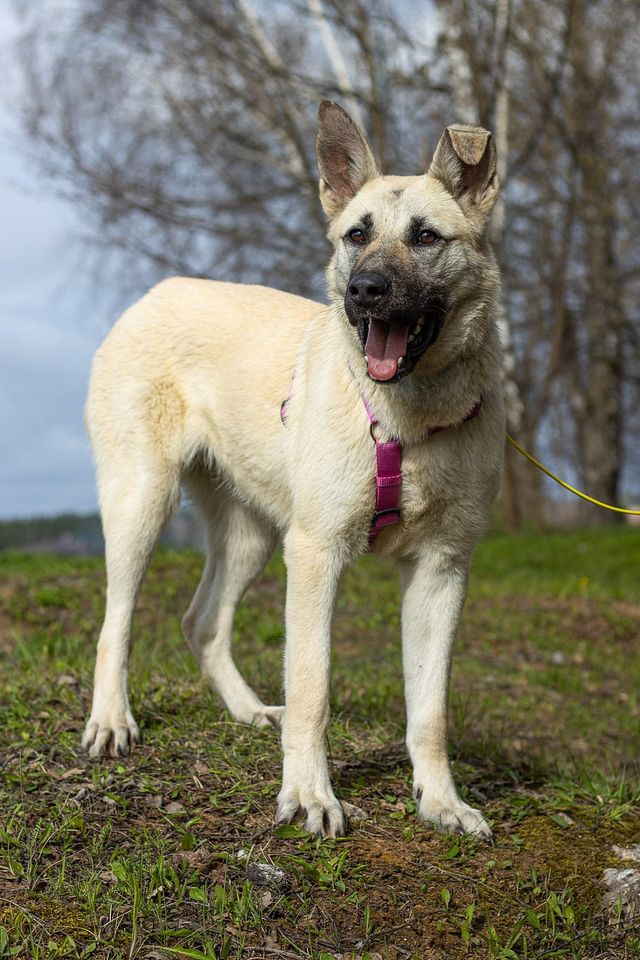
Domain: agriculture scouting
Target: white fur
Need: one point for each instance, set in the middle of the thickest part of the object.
(187, 389)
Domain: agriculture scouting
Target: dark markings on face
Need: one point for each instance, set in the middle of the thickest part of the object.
(416, 224)
(364, 227)
(398, 192)
(367, 223)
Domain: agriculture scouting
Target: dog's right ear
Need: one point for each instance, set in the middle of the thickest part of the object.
(465, 163)
(345, 160)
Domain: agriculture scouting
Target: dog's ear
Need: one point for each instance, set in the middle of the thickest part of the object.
(344, 158)
(465, 163)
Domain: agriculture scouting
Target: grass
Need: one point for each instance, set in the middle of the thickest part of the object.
(150, 856)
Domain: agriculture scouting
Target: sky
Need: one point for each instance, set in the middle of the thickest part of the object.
(46, 346)
(51, 321)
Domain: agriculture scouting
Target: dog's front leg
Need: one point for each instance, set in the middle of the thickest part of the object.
(312, 579)
(434, 590)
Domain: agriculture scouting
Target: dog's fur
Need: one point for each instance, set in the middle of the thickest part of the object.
(187, 389)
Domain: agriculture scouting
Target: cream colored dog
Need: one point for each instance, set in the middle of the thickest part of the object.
(187, 389)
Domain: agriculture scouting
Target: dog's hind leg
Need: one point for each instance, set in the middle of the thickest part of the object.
(136, 501)
(238, 545)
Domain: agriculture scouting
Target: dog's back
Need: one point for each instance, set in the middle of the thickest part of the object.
(187, 348)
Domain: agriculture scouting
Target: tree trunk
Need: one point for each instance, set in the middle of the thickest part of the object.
(466, 83)
(599, 329)
(600, 422)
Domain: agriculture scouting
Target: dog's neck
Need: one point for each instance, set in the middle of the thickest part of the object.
(435, 397)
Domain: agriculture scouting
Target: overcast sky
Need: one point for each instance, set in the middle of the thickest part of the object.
(49, 329)
(51, 321)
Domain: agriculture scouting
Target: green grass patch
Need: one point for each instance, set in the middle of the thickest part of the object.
(151, 856)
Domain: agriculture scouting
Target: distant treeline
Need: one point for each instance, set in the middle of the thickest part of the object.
(79, 533)
(73, 533)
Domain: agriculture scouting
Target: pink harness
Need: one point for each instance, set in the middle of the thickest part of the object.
(388, 480)
(388, 468)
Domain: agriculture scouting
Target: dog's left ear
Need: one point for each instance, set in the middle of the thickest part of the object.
(465, 163)
(345, 160)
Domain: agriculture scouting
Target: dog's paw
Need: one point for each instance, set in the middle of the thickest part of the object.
(322, 815)
(456, 818)
(268, 716)
(107, 737)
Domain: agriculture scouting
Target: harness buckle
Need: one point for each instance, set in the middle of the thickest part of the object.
(380, 520)
(392, 511)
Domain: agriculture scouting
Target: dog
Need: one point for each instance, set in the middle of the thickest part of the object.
(393, 410)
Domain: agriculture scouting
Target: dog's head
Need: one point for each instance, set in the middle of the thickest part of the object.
(409, 251)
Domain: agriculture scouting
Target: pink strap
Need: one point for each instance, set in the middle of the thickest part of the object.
(388, 480)
(389, 473)
(388, 468)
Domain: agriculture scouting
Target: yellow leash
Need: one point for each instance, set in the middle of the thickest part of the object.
(567, 486)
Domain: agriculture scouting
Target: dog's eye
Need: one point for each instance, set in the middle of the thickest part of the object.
(357, 235)
(426, 238)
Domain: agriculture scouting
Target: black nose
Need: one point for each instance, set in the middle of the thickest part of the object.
(366, 289)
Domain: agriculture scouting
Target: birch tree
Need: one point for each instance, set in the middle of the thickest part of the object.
(185, 132)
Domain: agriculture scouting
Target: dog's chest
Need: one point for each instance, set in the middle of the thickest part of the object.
(423, 490)
(429, 487)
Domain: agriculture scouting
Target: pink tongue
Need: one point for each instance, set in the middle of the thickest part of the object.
(385, 344)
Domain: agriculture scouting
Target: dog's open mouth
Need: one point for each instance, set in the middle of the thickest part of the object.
(392, 349)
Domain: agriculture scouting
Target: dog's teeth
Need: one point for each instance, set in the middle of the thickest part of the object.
(412, 336)
(400, 361)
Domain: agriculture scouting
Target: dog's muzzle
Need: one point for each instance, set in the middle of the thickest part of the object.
(393, 335)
